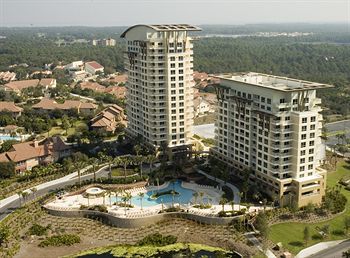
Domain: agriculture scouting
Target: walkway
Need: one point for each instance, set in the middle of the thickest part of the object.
(325, 249)
(251, 237)
(234, 189)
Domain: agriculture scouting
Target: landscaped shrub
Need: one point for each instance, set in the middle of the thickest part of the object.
(334, 200)
(158, 240)
(66, 239)
(202, 206)
(101, 208)
(38, 230)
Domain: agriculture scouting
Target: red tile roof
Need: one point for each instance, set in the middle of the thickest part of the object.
(94, 65)
(9, 106)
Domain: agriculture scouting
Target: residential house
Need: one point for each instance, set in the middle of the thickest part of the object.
(108, 119)
(10, 107)
(92, 86)
(118, 91)
(51, 104)
(119, 79)
(11, 129)
(75, 66)
(27, 155)
(93, 67)
(7, 76)
(18, 86)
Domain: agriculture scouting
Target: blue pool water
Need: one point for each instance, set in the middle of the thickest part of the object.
(8, 137)
(184, 197)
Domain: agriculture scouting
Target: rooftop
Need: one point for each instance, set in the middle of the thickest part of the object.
(273, 82)
(165, 27)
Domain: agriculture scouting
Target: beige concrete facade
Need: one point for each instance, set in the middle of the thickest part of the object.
(271, 127)
(159, 64)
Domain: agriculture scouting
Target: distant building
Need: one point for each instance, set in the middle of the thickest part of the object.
(270, 127)
(7, 76)
(27, 155)
(93, 67)
(118, 79)
(51, 104)
(103, 42)
(11, 108)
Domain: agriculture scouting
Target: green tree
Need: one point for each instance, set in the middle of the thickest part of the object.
(7, 145)
(347, 224)
(307, 236)
(7, 169)
(4, 234)
(222, 202)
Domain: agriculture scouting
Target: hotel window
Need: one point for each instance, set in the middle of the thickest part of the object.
(268, 101)
(302, 160)
(172, 58)
(311, 151)
(282, 101)
(313, 119)
(304, 120)
(303, 136)
(303, 128)
(302, 168)
(312, 135)
(311, 143)
(310, 166)
(303, 144)
(181, 58)
(312, 127)
(302, 153)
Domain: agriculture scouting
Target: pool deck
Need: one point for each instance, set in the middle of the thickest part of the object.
(74, 202)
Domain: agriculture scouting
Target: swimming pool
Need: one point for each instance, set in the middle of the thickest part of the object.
(184, 197)
(8, 137)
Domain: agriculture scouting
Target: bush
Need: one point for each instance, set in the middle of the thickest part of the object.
(100, 208)
(158, 240)
(38, 230)
(66, 239)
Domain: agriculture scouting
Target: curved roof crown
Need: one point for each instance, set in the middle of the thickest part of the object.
(165, 27)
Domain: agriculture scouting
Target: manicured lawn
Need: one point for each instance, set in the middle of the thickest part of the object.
(120, 172)
(78, 124)
(291, 234)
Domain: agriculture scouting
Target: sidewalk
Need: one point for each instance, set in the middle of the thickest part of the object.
(250, 236)
(317, 248)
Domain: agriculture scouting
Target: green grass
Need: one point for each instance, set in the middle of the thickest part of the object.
(291, 234)
(120, 172)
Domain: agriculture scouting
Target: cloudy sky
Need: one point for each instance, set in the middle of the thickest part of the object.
(128, 12)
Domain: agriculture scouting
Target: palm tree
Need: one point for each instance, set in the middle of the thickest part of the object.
(137, 149)
(94, 162)
(117, 192)
(79, 161)
(264, 203)
(124, 199)
(151, 159)
(172, 198)
(201, 194)
(104, 198)
(125, 161)
(110, 197)
(110, 162)
(195, 195)
(33, 190)
(139, 161)
(88, 199)
(240, 199)
(223, 201)
(141, 195)
(232, 203)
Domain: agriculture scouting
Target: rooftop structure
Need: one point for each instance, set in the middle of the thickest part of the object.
(273, 82)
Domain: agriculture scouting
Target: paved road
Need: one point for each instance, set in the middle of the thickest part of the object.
(46, 188)
(333, 252)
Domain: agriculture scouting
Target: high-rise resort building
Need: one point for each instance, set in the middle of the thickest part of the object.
(159, 64)
(270, 127)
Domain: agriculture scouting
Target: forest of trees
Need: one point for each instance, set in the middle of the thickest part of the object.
(323, 56)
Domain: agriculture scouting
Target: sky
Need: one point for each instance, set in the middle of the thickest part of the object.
(129, 12)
